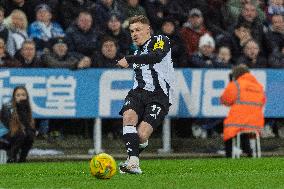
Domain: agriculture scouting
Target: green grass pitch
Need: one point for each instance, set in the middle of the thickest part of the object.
(185, 174)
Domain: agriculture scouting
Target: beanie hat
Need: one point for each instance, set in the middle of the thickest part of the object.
(43, 6)
(195, 12)
(206, 39)
(58, 40)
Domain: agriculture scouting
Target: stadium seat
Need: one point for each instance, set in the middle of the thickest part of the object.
(254, 143)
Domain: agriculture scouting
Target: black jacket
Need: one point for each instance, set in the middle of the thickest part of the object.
(70, 60)
(70, 9)
(35, 63)
(261, 62)
(83, 42)
(100, 61)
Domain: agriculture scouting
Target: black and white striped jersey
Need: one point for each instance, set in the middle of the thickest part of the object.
(153, 66)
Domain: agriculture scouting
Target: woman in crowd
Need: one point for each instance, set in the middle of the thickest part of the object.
(16, 115)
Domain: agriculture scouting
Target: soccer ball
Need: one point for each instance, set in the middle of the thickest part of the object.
(103, 166)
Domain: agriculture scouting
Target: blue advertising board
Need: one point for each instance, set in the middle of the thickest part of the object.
(90, 93)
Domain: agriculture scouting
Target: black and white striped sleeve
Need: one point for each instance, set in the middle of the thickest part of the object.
(157, 50)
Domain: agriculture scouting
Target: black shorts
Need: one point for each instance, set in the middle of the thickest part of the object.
(151, 107)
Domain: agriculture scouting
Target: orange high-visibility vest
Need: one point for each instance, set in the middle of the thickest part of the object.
(246, 98)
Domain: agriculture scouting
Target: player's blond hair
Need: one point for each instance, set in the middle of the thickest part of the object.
(141, 18)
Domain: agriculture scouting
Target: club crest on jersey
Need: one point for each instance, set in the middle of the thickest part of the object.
(159, 44)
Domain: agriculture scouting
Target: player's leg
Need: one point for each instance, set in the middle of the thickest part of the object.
(157, 107)
(153, 117)
(144, 132)
(132, 164)
(130, 135)
(131, 140)
(132, 109)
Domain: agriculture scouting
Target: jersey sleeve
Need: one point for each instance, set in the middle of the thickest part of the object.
(157, 50)
(229, 95)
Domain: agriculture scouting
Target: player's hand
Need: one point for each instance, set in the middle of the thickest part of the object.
(84, 63)
(123, 63)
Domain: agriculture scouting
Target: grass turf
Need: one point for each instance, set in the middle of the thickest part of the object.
(187, 173)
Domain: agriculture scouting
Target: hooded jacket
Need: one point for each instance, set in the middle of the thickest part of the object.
(246, 97)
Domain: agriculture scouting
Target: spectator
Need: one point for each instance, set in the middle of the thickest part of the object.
(133, 8)
(43, 29)
(60, 57)
(70, 10)
(192, 30)
(275, 34)
(108, 56)
(235, 40)
(179, 9)
(275, 7)
(235, 7)
(217, 17)
(104, 9)
(82, 37)
(27, 55)
(23, 5)
(6, 60)
(224, 58)
(276, 59)
(249, 15)
(251, 56)
(122, 37)
(170, 30)
(17, 116)
(17, 23)
(205, 57)
(158, 10)
(6, 35)
(54, 7)
(245, 96)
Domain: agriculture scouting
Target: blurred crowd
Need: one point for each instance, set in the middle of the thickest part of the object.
(79, 34)
(93, 33)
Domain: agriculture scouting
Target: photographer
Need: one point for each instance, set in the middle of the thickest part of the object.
(246, 98)
(16, 115)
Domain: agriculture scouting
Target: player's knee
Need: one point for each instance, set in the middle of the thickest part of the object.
(143, 136)
(130, 117)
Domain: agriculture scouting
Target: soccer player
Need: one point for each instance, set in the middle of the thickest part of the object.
(147, 104)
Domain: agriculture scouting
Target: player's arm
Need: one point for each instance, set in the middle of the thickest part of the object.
(158, 49)
(229, 95)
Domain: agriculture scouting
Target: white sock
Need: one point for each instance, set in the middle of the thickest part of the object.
(143, 145)
(134, 160)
